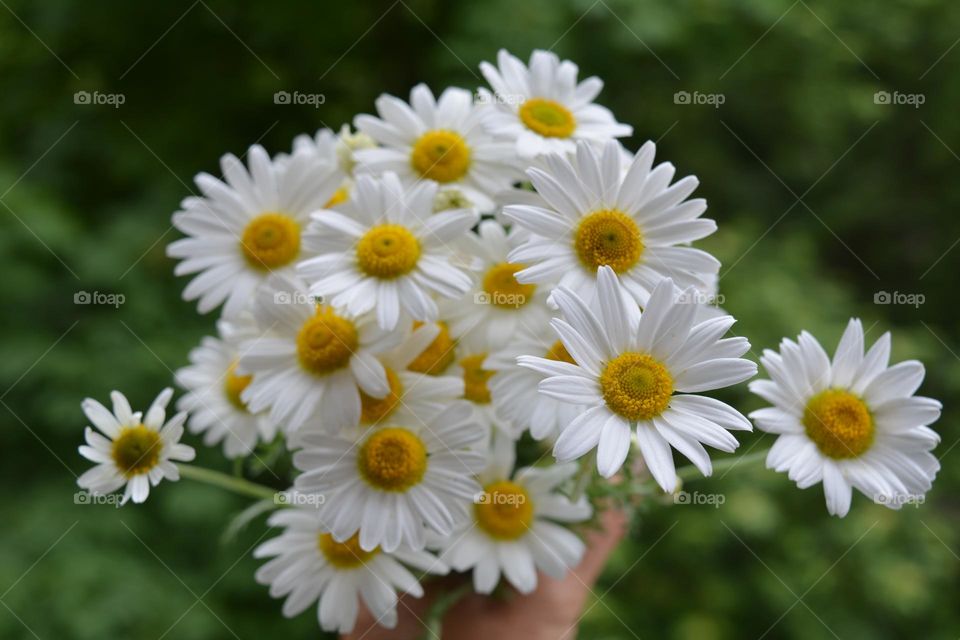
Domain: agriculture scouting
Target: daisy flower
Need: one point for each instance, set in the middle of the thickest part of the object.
(542, 108)
(394, 482)
(471, 365)
(850, 422)
(137, 452)
(311, 362)
(213, 394)
(599, 215)
(339, 151)
(500, 306)
(386, 250)
(307, 565)
(441, 140)
(642, 372)
(242, 230)
(514, 527)
(437, 357)
(514, 389)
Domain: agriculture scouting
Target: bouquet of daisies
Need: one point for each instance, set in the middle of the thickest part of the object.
(404, 303)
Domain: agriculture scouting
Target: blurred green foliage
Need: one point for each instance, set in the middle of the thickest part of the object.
(823, 197)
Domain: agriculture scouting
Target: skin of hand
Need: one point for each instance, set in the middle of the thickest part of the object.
(551, 612)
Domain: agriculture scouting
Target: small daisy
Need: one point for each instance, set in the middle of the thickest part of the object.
(514, 528)
(500, 306)
(338, 150)
(213, 394)
(248, 227)
(852, 422)
(437, 357)
(598, 215)
(543, 108)
(136, 452)
(471, 365)
(441, 140)
(514, 389)
(309, 566)
(386, 250)
(395, 482)
(640, 371)
(311, 362)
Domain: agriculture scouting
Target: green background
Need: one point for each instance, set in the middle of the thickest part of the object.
(87, 193)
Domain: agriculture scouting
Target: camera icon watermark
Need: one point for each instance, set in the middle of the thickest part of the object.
(510, 99)
(86, 498)
(97, 98)
(500, 499)
(298, 98)
(900, 499)
(693, 296)
(714, 500)
(99, 298)
(897, 297)
(500, 299)
(294, 498)
(897, 98)
(697, 98)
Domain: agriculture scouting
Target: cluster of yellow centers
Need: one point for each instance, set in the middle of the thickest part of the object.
(839, 423)
(636, 386)
(438, 356)
(373, 410)
(388, 251)
(136, 450)
(440, 155)
(475, 378)
(326, 342)
(270, 240)
(547, 117)
(502, 289)
(504, 510)
(233, 386)
(559, 353)
(608, 237)
(392, 459)
(344, 555)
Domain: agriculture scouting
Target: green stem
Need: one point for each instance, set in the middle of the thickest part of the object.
(226, 481)
(434, 622)
(582, 479)
(690, 472)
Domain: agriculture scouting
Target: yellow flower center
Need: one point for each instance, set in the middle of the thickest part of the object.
(440, 155)
(438, 356)
(839, 423)
(388, 251)
(502, 288)
(233, 386)
(559, 352)
(136, 450)
(271, 240)
(549, 118)
(636, 386)
(344, 555)
(504, 510)
(340, 195)
(373, 410)
(608, 237)
(326, 341)
(392, 459)
(475, 379)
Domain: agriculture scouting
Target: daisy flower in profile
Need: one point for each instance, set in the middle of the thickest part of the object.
(311, 362)
(514, 389)
(242, 230)
(542, 108)
(598, 215)
(441, 140)
(213, 393)
(643, 372)
(499, 306)
(385, 250)
(307, 565)
(514, 529)
(853, 422)
(394, 482)
(137, 451)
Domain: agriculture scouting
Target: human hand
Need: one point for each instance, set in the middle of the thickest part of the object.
(551, 612)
